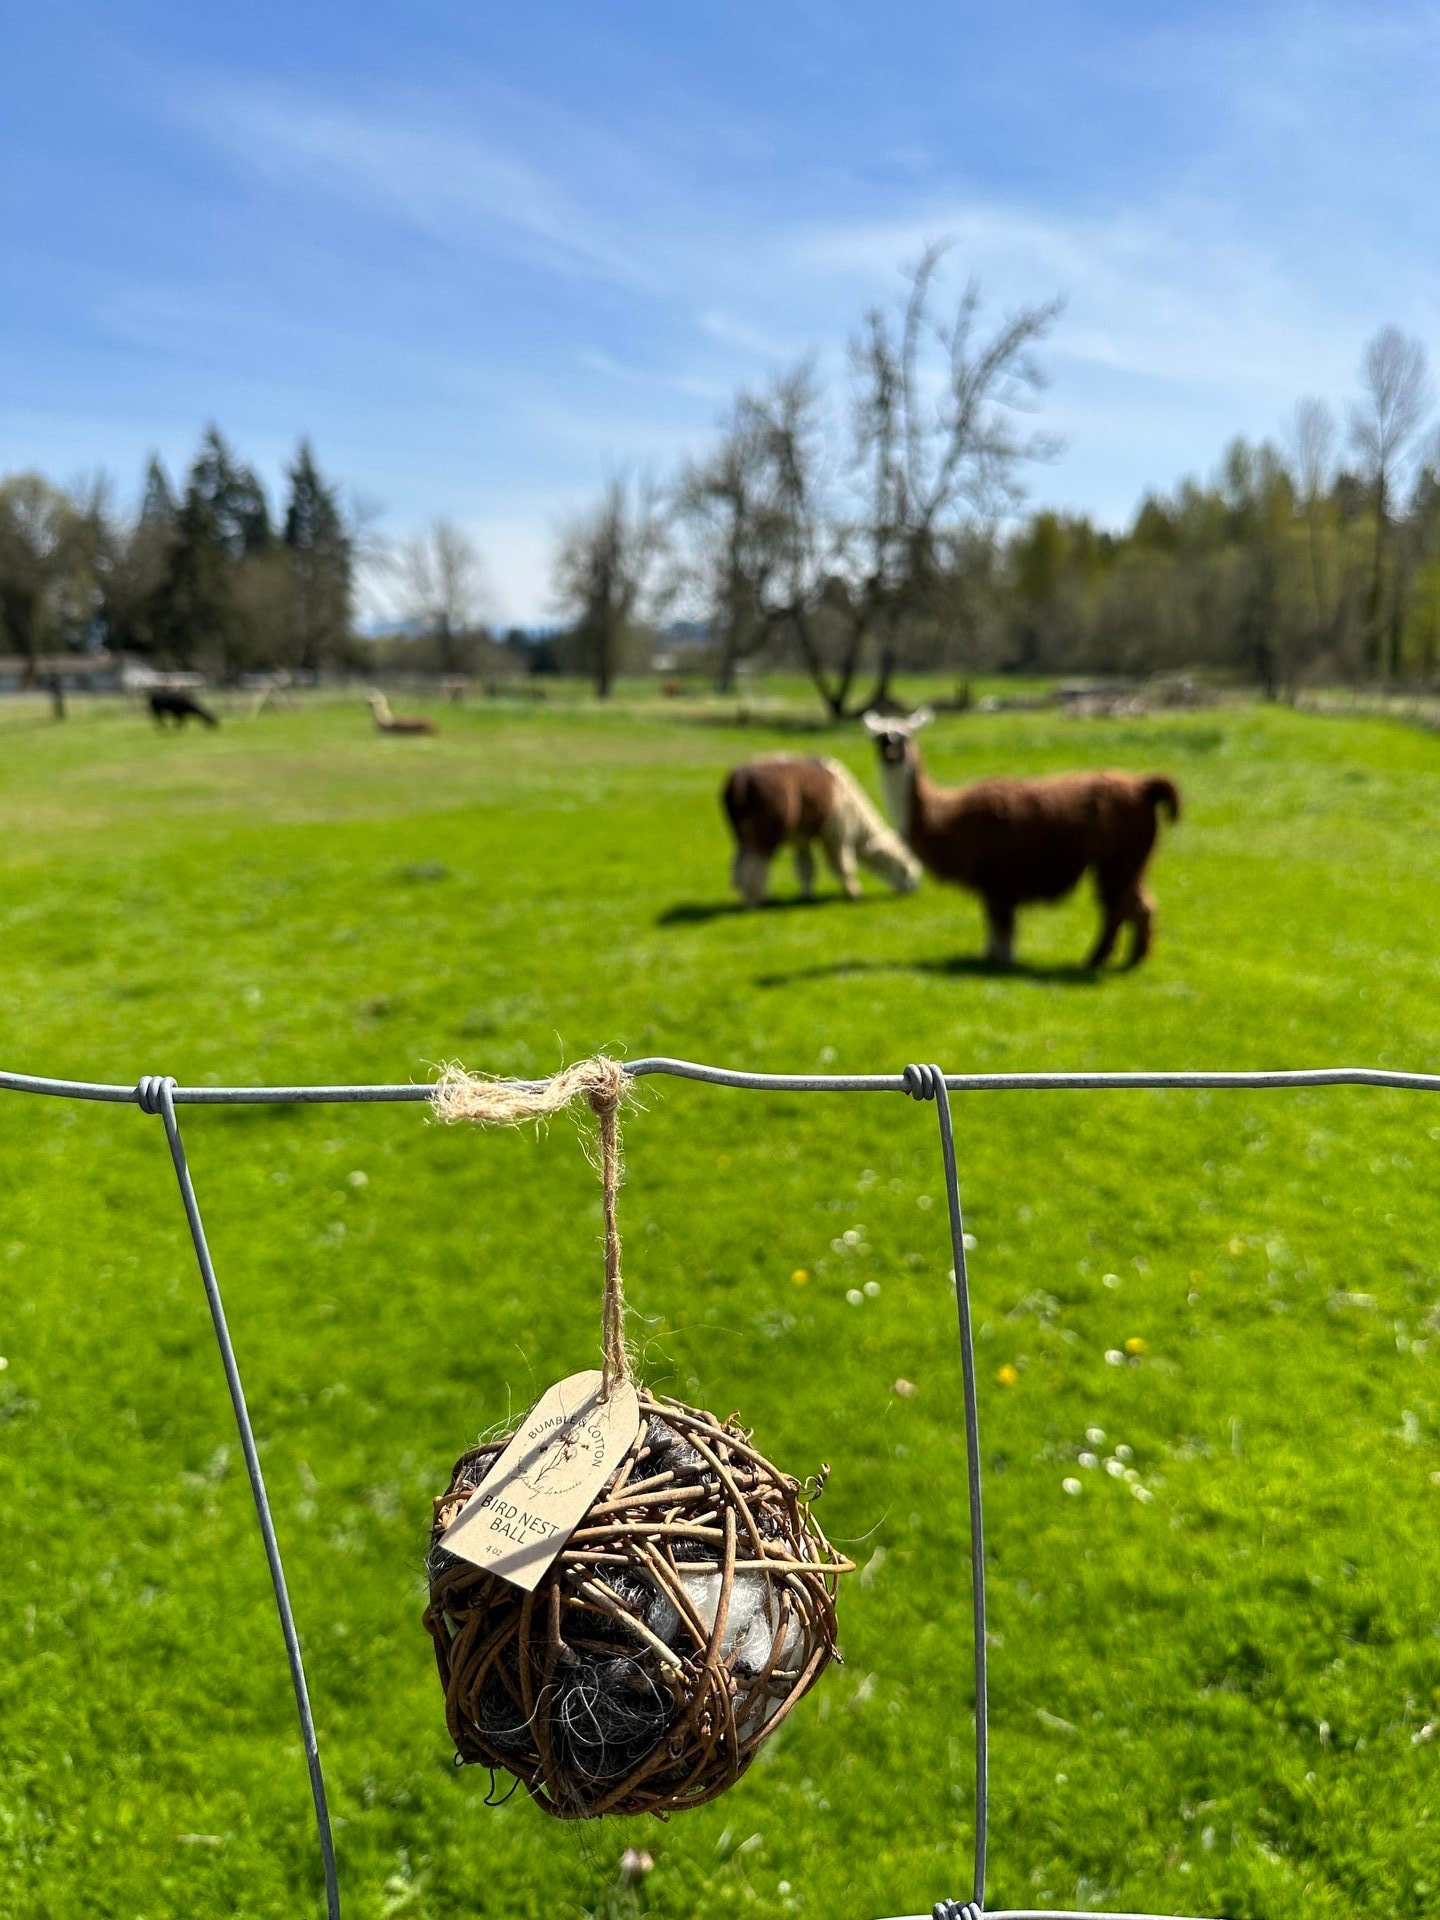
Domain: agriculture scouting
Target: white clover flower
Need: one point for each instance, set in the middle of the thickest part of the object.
(855, 1297)
(1122, 1452)
(1071, 1486)
(1089, 1460)
(1095, 1435)
(1114, 1357)
(1114, 1469)
(872, 1287)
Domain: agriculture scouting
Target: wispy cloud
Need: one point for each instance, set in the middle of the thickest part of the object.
(406, 164)
(649, 379)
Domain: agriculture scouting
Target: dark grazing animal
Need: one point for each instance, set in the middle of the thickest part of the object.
(787, 799)
(1018, 841)
(173, 703)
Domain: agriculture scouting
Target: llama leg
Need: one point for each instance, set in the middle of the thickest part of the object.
(751, 875)
(840, 858)
(805, 868)
(1105, 945)
(1142, 926)
(1116, 894)
(1000, 945)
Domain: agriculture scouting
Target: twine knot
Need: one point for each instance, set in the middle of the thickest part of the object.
(604, 1085)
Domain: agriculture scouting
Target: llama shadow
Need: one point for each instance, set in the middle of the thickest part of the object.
(694, 913)
(959, 967)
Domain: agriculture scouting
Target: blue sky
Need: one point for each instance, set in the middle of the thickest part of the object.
(482, 255)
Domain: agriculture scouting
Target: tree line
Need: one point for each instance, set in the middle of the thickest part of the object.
(203, 577)
(859, 534)
(854, 529)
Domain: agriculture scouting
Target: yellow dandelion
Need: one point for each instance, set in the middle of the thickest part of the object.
(800, 1276)
(1134, 1346)
(1007, 1375)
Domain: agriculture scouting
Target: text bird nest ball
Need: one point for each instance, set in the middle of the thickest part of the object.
(690, 1609)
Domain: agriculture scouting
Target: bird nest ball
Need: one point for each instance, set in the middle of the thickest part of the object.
(686, 1614)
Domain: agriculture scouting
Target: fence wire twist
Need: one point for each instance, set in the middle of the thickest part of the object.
(160, 1095)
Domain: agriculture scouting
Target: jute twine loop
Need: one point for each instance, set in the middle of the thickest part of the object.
(603, 1084)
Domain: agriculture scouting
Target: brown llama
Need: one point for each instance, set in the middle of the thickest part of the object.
(785, 799)
(389, 722)
(1018, 841)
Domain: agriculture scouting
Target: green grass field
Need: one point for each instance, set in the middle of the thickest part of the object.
(1214, 1700)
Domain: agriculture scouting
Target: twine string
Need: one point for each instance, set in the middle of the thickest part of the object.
(603, 1084)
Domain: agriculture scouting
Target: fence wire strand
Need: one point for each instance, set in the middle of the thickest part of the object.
(159, 1094)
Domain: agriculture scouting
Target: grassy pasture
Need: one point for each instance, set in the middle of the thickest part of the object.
(1214, 1700)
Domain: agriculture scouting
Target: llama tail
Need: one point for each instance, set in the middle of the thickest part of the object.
(1162, 792)
(735, 796)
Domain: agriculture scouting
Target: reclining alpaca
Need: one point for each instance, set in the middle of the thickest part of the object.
(784, 799)
(389, 722)
(1016, 841)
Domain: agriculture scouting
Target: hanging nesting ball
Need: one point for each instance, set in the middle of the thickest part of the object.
(686, 1614)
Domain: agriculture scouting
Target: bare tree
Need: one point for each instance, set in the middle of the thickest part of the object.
(445, 590)
(749, 520)
(938, 447)
(1396, 396)
(1311, 435)
(717, 506)
(783, 545)
(602, 569)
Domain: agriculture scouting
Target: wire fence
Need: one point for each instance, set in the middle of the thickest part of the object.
(161, 1096)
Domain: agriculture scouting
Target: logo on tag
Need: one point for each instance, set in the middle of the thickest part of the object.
(520, 1516)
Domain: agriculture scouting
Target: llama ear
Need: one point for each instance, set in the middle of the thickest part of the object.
(874, 723)
(921, 717)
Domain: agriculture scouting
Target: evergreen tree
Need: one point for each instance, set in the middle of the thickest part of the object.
(319, 549)
(195, 603)
(135, 610)
(236, 498)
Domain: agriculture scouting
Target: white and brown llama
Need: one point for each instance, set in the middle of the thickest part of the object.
(787, 799)
(388, 722)
(1018, 841)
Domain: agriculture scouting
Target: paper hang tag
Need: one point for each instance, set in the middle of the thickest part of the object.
(520, 1516)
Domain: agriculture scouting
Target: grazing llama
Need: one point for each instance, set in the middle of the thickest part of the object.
(785, 799)
(389, 722)
(173, 703)
(1018, 841)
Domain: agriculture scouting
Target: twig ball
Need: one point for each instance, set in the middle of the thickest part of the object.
(687, 1613)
